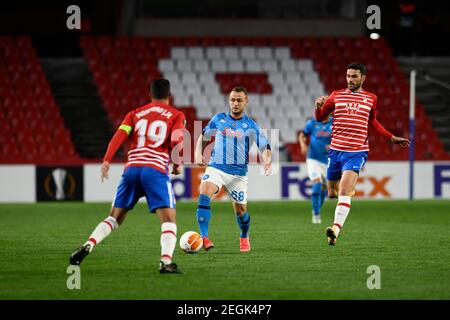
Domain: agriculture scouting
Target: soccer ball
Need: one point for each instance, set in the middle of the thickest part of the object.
(191, 241)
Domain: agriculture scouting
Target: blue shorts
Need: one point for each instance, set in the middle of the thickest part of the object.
(339, 161)
(137, 182)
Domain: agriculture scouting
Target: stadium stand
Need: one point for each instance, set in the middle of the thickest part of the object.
(432, 90)
(33, 129)
(283, 75)
(79, 104)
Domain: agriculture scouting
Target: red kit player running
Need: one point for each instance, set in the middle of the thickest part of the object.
(353, 110)
(146, 172)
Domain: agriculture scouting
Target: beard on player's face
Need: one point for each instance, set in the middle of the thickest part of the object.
(237, 111)
(238, 102)
(354, 86)
(354, 81)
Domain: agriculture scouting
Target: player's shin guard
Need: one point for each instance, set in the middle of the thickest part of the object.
(341, 213)
(203, 214)
(168, 241)
(315, 197)
(244, 224)
(102, 230)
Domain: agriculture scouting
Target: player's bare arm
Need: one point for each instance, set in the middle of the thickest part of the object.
(198, 156)
(105, 170)
(267, 161)
(320, 101)
(324, 107)
(403, 142)
(176, 169)
(116, 141)
(303, 144)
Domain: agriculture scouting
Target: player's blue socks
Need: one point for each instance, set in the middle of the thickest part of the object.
(244, 224)
(323, 195)
(316, 197)
(203, 214)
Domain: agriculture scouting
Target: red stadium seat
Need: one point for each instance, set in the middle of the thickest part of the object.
(9, 153)
(29, 103)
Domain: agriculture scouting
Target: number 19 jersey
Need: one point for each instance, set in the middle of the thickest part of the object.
(151, 127)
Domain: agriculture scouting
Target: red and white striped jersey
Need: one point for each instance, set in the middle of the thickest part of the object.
(352, 112)
(151, 128)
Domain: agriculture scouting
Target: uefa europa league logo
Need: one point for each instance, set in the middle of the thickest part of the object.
(59, 177)
(59, 183)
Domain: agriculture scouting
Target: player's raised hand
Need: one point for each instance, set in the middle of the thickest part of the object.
(105, 170)
(320, 101)
(403, 142)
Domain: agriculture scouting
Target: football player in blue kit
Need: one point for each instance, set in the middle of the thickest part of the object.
(316, 160)
(234, 134)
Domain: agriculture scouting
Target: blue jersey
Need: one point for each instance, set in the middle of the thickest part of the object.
(233, 139)
(320, 136)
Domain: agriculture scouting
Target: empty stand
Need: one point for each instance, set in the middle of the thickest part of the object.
(80, 106)
(433, 77)
(33, 129)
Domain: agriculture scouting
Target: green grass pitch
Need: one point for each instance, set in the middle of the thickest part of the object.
(290, 259)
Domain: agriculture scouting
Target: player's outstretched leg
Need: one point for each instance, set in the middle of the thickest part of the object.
(168, 243)
(244, 224)
(102, 230)
(331, 235)
(78, 256)
(340, 214)
(203, 217)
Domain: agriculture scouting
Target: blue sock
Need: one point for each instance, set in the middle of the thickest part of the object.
(203, 214)
(323, 195)
(244, 224)
(315, 197)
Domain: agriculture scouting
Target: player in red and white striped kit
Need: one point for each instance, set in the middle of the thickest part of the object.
(152, 130)
(353, 110)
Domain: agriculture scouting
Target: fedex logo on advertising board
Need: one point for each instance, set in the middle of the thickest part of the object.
(367, 186)
(441, 180)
